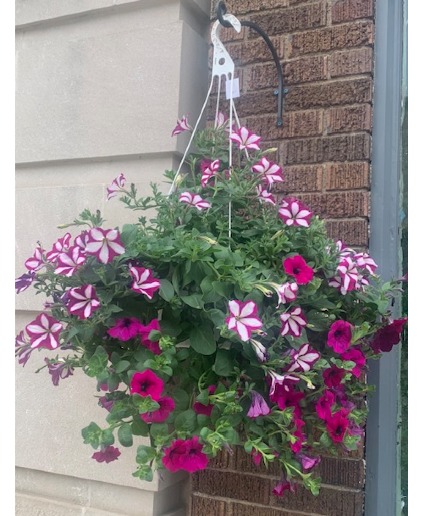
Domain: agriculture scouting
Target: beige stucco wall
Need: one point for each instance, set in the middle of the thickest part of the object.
(99, 86)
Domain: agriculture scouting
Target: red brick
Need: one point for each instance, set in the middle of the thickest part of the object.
(339, 471)
(295, 125)
(247, 52)
(338, 205)
(292, 19)
(347, 176)
(349, 10)
(330, 502)
(353, 232)
(207, 506)
(351, 62)
(245, 509)
(301, 178)
(238, 7)
(354, 147)
(349, 119)
(334, 38)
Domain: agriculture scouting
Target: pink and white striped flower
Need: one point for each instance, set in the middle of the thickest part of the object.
(182, 126)
(24, 281)
(23, 348)
(60, 246)
(265, 196)
(105, 244)
(222, 121)
(116, 186)
(287, 292)
(246, 139)
(293, 322)
(82, 240)
(209, 169)
(260, 350)
(285, 380)
(144, 281)
(270, 171)
(294, 213)
(364, 261)
(348, 272)
(44, 332)
(303, 359)
(243, 319)
(82, 301)
(36, 262)
(69, 262)
(194, 200)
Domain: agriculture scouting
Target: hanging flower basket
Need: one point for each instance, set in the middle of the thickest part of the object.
(228, 319)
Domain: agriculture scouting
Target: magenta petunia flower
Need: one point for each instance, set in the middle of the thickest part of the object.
(297, 267)
(58, 370)
(44, 332)
(256, 457)
(166, 406)
(23, 348)
(24, 281)
(286, 381)
(388, 336)
(109, 454)
(337, 425)
(271, 172)
(294, 213)
(105, 403)
(209, 168)
(185, 455)
(147, 383)
(205, 410)
(355, 355)
(265, 196)
(303, 359)
(144, 332)
(82, 301)
(339, 336)
(282, 486)
(182, 126)
(105, 244)
(194, 200)
(36, 262)
(293, 322)
(258, 406)
(116, 186)
(286, 396)
(307, 462)
(299, 435)
(68, 262)
(245, 139)
(324, 405)
(125, 329)
(333, 376)
(243, 319)
(60, 246)
(144, 282)
(287, 292)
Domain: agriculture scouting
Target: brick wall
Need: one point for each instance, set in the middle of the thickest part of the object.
(326, 51)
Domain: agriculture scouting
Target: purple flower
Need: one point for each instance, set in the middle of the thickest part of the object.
(388, 336)
(293, 322)
(245, 139)
(243, 319)
(303, 359)
(307, 462)
(69, 261)
(258, 406)
(24, 281)
(144, 281)
(105, 403)
(82, 240)
(116, 186)
(23, 348)
(36, 261)
(271, 172)
(182, 126)
(339, 336)
(294, 213)
(82, 301)
(105, 244)
(60, 246)
(109, 454)
(282, 486)
(194, 200)
(58, 370)
(44, 332)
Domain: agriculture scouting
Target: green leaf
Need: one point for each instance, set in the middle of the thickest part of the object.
(145, 454)
(194, 301)
(139, 427)
(122, 366)
(97, 363)
(167, 290)
(216, 316)
(159, 429)
(144, 473)
(125, 435)
(224, 363)
(186, 421)
(91, 434)
(181, 399)
(202, 340)
(106, 437)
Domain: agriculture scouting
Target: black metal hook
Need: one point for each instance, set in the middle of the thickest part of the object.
(280, 91)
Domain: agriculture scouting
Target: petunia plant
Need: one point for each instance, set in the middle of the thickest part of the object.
(227, 319)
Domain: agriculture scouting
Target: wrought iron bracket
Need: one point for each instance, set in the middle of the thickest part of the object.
(281, 91)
